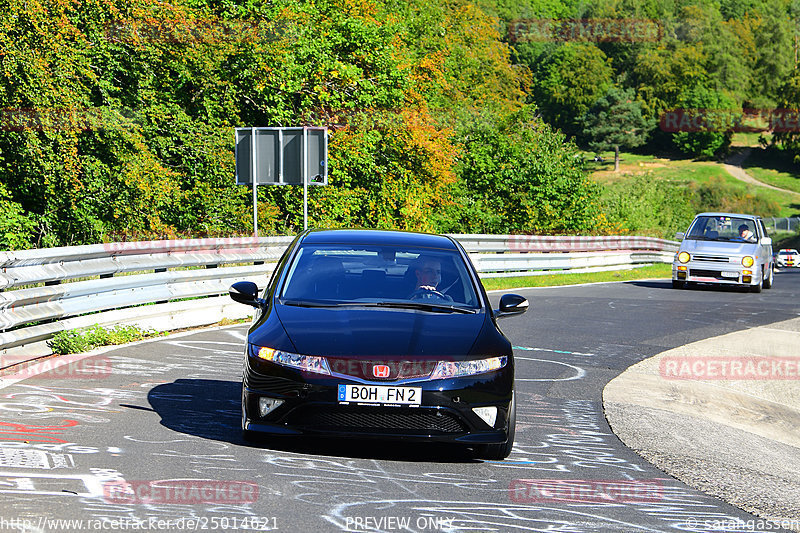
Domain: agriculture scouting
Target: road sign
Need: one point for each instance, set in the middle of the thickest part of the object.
(281, 156)
(275, 155)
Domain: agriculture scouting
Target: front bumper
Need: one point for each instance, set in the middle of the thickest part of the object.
(726, 274)
(311, 407)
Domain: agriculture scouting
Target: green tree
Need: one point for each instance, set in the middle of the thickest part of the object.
(789, 100)
(516, 175)
(568, 81)
(616, 120)
(710, 128)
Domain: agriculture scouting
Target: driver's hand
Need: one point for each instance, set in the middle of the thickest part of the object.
(427, 287)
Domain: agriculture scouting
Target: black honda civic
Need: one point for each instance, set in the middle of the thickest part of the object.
(379, 334)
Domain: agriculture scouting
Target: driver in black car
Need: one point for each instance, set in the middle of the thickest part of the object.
(428, 273)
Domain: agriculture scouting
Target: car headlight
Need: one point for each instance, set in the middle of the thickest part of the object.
(452, 369)
(747, 261)
(684, 257)
(309, 363)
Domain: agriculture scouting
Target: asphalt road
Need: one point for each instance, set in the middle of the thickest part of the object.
(169, 410)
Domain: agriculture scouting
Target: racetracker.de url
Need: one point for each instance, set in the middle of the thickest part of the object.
(194, 523)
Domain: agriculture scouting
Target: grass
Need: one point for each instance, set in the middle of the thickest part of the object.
(774, 168)
(684, 170)
(751, 140)
(554, 280)
(786, 239)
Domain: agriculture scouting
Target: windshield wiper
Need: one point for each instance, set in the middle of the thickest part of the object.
(442, 308)
(309, 303)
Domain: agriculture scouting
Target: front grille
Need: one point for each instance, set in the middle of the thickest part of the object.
(716, 274)
(711, 258)
(370, 419)
(705, 273)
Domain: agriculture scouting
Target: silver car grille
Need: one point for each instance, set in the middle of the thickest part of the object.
(711, 258)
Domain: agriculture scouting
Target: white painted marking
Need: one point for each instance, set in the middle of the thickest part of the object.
(579, 372)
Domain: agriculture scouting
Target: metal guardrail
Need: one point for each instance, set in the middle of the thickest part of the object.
(782, 224)
(167, 285)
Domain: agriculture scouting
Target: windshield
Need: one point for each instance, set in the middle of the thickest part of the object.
(722, 228)
(379, 275)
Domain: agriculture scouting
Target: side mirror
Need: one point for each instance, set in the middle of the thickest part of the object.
(245, 292)
(679, 236)
(766, 241)
(511, 304)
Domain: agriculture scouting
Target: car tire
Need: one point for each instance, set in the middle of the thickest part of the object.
(498, 452)
(678, 284)
(770, 278)
(757, 288)
(247, 435)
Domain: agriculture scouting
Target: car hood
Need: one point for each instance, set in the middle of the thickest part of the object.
(359, 332)
(718, 247)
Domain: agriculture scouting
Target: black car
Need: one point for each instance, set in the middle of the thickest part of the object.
(385, 334)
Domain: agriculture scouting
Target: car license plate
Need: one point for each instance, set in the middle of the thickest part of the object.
(730, 274)
(380, 394)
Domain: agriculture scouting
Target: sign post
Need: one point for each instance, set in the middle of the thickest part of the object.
(281, 156)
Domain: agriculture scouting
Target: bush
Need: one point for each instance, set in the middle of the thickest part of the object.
(648, 206)
(717, 195)
(16, 227)
(85, 339)
(652, 206)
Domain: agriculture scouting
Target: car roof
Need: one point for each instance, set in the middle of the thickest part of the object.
(737, 215)
(381, 237)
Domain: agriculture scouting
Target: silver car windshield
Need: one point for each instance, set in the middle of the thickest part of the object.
(723, 228)
(380, 275)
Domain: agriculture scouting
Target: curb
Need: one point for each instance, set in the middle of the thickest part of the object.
(738, 440)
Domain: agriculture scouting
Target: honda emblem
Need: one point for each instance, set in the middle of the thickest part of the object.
(380, 371)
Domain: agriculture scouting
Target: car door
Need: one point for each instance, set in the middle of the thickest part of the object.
(765, 250)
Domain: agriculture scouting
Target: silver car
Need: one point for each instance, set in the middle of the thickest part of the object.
(724, 248)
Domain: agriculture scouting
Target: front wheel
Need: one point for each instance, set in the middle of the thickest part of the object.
(498, 452)
(677, 284)
(757, 288)
(247, 435)
(770, 278)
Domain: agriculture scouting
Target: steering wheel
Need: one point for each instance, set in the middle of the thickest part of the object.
(426, 294)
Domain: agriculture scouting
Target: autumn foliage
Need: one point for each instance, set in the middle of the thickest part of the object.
(118, 120)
